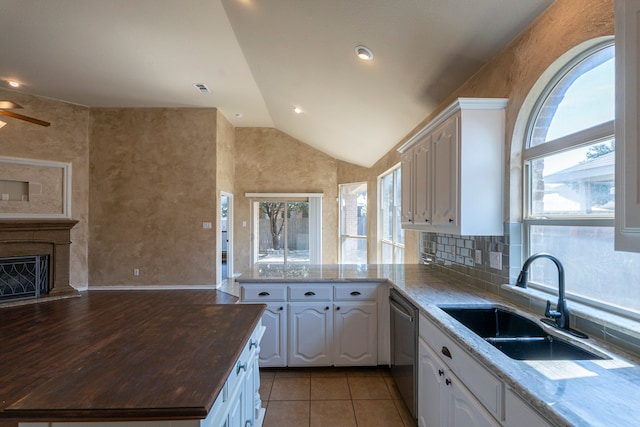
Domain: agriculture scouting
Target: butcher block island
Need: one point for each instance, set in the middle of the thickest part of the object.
(176, 358)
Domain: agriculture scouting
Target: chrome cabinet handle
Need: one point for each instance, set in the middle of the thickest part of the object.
(264, 294)
(253, 344)
(309, 294)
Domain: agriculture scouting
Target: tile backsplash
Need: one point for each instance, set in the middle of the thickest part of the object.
(469, 257)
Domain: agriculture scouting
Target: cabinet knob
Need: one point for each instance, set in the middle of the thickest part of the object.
(447, 381)
(450, 220)
(309, 294)
(446, 352)
(326, 308)
(264, 294)
(355, 293)
(280, 308)
(337, 308)
(241, 366)
(440, 372)
(252, 344)
(426, 220)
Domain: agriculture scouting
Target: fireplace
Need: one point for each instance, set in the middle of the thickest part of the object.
(34, 258)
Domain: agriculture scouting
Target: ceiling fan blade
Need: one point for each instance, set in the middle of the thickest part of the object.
(8, 105)
(25, 118)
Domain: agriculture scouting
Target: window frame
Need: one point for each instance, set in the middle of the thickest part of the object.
(395, 232)
(341, 235)
(599, 133)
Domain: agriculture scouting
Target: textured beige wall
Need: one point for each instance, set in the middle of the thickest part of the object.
(66, 140)
(270, 161)
(512, 74)
(152, 185)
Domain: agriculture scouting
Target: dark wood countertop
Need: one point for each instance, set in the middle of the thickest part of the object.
(125, 355)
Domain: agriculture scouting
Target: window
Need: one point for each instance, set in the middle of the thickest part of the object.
(391, 235)
(287, 228)
(570, 187)
(353, 223)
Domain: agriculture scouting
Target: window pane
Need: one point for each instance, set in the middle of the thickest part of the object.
(574, 182)
(593, 269)
(298, 232)
(397, 209)
(387, 253)
(583, 98)
(354, 250)
(387, 208)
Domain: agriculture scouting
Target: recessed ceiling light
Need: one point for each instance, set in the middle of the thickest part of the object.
(13, 83)
(364, 53)
(238, 115)
(297, 110)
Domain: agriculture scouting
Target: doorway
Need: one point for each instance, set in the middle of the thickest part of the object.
(224, 258)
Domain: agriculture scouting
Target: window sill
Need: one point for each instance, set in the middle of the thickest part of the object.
(616, 330)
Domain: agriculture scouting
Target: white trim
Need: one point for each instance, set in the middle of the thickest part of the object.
(66, 187)
(283, 196)
(459, 104)
(315, 230)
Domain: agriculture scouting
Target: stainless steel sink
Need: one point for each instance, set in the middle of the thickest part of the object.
(515, 335)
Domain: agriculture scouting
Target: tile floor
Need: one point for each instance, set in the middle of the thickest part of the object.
(331, 397)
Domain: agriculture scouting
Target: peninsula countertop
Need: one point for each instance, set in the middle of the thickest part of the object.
(566, 392)
(106, 356)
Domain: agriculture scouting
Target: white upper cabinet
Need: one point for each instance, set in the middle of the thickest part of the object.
(627, 236)
(453, 170)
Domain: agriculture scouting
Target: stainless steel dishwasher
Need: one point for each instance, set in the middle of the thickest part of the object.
(404, 349)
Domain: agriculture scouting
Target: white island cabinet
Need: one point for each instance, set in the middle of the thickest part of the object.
(320, 324)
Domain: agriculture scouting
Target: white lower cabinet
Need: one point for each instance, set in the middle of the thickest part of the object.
(273, 349)
(442, 398)
(355, 332)
(310, 334)
(318, 324)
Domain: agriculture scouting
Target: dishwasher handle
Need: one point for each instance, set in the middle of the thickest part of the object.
(400, 310)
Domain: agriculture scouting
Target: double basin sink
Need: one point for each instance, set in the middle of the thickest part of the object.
(516, 336)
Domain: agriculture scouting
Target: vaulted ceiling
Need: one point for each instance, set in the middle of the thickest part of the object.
(262, 58)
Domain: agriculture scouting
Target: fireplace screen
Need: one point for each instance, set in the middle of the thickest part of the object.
(23, 277)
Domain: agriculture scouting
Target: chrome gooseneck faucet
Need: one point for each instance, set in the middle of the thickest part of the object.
(559, 316)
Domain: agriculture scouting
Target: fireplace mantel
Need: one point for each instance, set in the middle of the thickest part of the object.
(23, 237)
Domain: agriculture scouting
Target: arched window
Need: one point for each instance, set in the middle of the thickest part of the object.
(568, 166)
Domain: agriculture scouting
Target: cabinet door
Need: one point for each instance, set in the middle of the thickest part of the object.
(430, 381)
(273, 347)
(310, 334)
(445, 173)
(407, 184)
(464, 409)
(422, 192)
(627, 237)
(520, 414)
(237, 406)
(355, 333)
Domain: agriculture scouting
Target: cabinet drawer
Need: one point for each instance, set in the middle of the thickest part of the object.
(310, 293)
(485, 387)
(263, 293)
(355, 292)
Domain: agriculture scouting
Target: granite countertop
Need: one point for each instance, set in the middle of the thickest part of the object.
(106, 356)
(568, 393)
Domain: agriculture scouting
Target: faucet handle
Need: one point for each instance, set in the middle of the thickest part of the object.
(551, 314)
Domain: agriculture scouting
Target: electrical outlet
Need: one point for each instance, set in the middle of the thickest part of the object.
(495, 260)
(206, 225)
(478, 256)
(136, 271)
